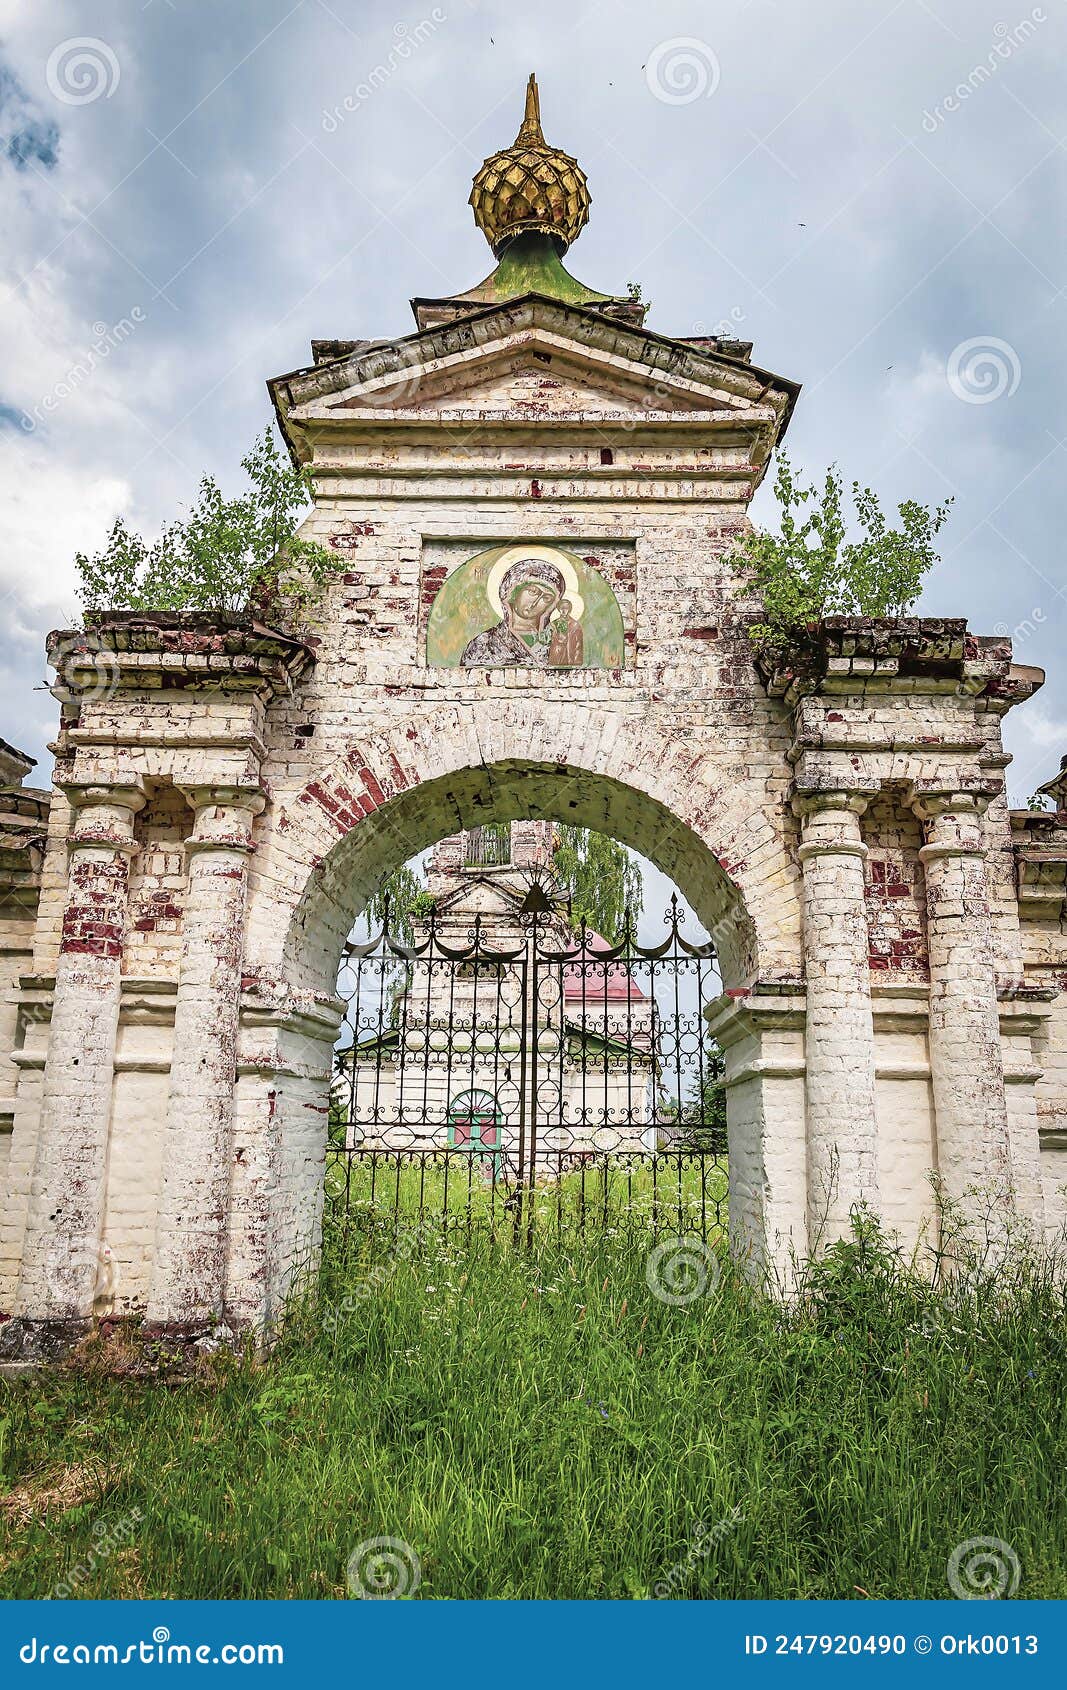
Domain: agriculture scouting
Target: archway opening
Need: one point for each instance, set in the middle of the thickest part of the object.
(520, 1049)
(339, 884)
(597, 1089)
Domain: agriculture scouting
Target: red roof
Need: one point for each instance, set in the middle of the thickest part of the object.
(603, 981)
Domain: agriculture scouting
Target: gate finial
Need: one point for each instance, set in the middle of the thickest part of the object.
(536, 901)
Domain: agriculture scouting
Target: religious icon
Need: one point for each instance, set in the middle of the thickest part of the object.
(525, 606)
(530, 592)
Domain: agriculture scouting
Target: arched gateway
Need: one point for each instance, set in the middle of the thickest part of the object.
(533, 497)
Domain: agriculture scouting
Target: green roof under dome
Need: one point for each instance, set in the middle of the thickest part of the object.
(531, 264)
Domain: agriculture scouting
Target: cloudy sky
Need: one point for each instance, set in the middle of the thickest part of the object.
(872, 192)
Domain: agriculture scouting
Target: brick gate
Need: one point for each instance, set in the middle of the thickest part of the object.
(531, 498)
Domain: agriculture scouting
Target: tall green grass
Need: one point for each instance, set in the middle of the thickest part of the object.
(543, 1425)
(382, 1191)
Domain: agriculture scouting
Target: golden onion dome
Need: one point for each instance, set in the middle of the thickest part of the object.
(530, 186)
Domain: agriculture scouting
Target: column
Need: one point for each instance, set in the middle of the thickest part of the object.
(189, 1268)
(842, 1132)
(63, 1247)
(966, 1057)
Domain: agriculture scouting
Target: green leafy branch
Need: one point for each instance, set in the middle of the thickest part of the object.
(811, 569)
(224, 556)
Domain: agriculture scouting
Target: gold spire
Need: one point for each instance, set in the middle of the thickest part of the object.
(530, 187)
(530, 131)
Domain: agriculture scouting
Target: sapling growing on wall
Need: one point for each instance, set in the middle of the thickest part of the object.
(225, 556)
(811, 568)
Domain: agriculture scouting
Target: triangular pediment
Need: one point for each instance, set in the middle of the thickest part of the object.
(476, 894)
(539, 384)
(531, 361)
(532, 373)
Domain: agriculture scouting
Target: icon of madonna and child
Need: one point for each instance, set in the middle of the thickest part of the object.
(530, 607)
(539, 628)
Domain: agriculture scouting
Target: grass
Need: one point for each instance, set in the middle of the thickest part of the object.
(544, 1425)
(680, 1192)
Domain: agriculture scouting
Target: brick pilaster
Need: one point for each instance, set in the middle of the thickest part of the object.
(842, 1137)
(63, 1249)
(189, 1269)
(966, 1055)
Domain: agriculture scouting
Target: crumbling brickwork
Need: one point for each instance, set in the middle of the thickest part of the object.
(896, 907)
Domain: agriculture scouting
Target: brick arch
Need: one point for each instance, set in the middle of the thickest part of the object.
(392, 794)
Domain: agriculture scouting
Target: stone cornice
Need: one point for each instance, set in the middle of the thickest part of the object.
(660, 355)
(169, 650)
(432, 313)
(457, 425)
(1056, 788)
(23, 828)
(766, 1005)
(408, 370)
(23, 815)
(844, 654)
(1040, 828)
(442, 486)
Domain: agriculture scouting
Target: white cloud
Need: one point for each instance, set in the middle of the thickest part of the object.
(1036, 736)
(48, 511)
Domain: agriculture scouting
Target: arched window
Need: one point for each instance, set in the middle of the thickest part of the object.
(474, 1122)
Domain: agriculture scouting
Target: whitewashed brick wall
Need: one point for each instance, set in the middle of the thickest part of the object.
(363, 755)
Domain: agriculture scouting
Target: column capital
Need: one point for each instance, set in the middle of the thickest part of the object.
(830, 818)
(954, 823)
(126, 794)
(220, 795)
(222, 816)
(815, 801)
(103, 815)
(930, 803)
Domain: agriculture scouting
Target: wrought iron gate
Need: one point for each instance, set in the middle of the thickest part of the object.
(561, 1083)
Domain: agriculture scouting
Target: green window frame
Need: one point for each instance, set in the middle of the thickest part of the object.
(477, 1115)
